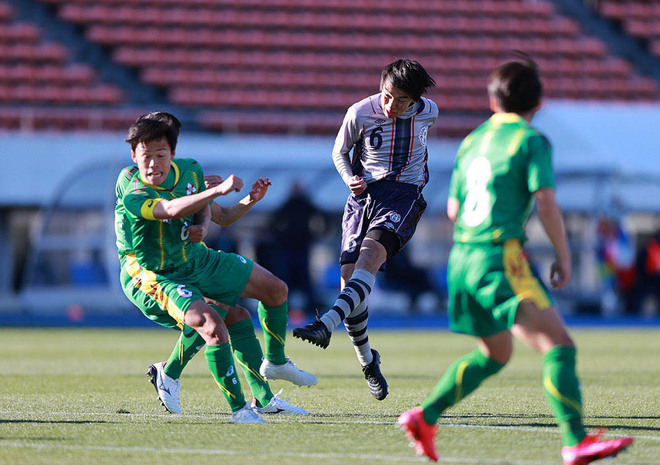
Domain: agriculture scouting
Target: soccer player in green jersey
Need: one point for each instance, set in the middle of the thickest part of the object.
(500, 169)
(245, 345)
(163, 203)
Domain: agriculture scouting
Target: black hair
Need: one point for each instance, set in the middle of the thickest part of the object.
(516, 85)
(409, 76)
(153, 126)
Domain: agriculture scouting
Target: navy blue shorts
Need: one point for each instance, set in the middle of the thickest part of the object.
(388, 205)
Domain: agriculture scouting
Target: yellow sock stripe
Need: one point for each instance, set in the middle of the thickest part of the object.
(263, 325)
(554, 392)
(181, 350)
(460, 371)
(225, 390)
(256, 374)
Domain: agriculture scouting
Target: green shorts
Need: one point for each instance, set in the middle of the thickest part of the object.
(486, 284)
(164, 298)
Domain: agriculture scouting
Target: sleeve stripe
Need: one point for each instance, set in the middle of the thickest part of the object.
(147, 209)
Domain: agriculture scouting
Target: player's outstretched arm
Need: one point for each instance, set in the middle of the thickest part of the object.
(191, 204)
(225, 216)
(553, 224)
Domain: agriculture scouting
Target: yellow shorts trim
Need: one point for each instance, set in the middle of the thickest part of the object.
(520, 277)
(147, 282)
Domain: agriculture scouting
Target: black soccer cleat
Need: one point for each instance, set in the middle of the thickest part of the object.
(375, 379)
(315, 332)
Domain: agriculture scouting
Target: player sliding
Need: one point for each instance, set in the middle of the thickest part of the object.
(387, 133)
(501, 168)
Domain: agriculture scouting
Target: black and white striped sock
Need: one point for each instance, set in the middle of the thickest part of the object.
(357, 289)
(356, 325)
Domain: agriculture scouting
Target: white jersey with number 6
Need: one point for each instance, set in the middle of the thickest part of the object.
(393, 149)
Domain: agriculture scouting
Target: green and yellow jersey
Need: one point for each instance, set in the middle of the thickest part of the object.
(159, 245)
(122, 224)
(497, 169)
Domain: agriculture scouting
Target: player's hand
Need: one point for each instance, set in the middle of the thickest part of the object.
(232, 184)
(212, 180)
(357, 185)
(259, 189)
(197, 232)
(560, 274)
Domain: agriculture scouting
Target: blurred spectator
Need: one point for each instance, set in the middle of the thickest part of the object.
(616, 257)
(401, 274)
(647, 285)
(294, 227)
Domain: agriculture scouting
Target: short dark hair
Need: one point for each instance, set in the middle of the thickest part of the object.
(516, 85)
(153, 126)
(409, 76)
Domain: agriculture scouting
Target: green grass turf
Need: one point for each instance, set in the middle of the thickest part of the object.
(79, 396)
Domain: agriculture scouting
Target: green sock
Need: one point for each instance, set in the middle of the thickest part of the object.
(274, 322)
(562, 389)
(221, 364)
(247, 351)
(460, 379)
(187, 346)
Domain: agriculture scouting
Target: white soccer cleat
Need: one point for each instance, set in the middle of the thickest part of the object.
(287, 371)
(166, 387)
(246, 415)
(277, 405)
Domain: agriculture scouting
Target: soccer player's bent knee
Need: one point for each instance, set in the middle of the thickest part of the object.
(502, 355)
(389, 240)
(236, 314)
(212, 328)
(277, 294)
(502, 359)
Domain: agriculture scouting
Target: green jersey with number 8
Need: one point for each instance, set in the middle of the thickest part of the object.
(497, 169)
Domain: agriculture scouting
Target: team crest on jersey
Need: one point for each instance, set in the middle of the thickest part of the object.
(395, 217)
(423, 134)
(190, 189)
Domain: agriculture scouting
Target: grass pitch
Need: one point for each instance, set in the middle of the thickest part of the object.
(80, 396)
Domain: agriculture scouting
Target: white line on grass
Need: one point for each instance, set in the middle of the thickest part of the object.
(301, 419)
(269, 454)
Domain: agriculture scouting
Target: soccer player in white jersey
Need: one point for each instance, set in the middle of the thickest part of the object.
(386, 172)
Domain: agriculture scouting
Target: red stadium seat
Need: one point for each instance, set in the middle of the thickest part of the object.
(293, 56)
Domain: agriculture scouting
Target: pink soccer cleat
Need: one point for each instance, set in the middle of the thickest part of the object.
(413, 424)
(592, 448)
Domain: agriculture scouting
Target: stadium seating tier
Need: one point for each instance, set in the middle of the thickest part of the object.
(296, 65)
